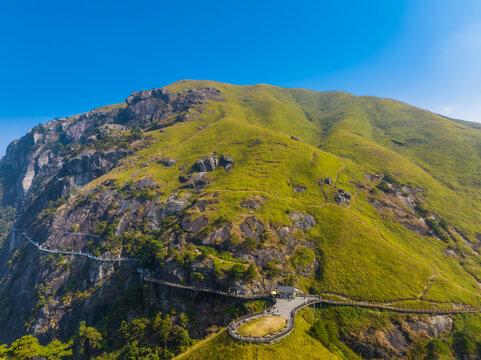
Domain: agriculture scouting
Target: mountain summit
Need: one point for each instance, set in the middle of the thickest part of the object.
(235, 189)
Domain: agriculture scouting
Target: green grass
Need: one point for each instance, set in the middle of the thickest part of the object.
(263, 326)
(361, 253)
(298, 345)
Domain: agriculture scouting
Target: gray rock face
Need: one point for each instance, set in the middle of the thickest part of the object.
(339, 199)
(433, 326)
(48, 163)
(299, 189)
(227, 162)
(218, 236)
(202, 204)
(342, 197)
(193, 226)
(295, 138)
(88, 166)
(172, 206)
(195, 181)
(207, 163)
(251, 204)
(154, 106)
(168, 162)
(397, 339)
(252, 227)
(302, 221)
(143, 183)
(328, 181)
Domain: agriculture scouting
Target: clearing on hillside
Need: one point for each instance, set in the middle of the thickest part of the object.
(262, 326)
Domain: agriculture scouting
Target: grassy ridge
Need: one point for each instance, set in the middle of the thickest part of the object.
(362, 254)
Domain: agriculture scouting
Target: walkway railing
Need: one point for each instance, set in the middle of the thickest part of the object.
(77, 253)
(148, 278)
(271, 338)
(314, 299)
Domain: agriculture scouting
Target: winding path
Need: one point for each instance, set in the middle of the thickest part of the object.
(144, 274)
(288, 308)
(77, 253)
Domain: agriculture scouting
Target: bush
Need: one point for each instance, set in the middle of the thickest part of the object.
(421, 210)
(437, 350)
(272, 270)
(302, 258)
(251, 273)
(197, 276)
(383, 186)
(391, 179)
(249, 244)
(237, 272)
(325, 332)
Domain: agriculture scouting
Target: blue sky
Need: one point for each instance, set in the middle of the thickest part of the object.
(59, 58)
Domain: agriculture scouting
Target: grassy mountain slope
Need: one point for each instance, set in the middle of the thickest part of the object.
(362, 254)
(409, 234)
(348, 238)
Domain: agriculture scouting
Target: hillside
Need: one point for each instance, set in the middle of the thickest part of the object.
(236, 188)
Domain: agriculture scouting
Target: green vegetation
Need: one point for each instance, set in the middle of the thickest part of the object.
(6, 221)
(28, 347)
(263, 326)
(380, 151)
(268, 163)
(298, 345)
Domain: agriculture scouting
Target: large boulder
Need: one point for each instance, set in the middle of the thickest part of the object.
(302, 221)
(207, 163)
(227, 162)
(196, 181)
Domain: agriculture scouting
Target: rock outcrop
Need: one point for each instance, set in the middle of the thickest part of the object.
(207, 163)
(227, 162)
(302, 221)
(146, 108)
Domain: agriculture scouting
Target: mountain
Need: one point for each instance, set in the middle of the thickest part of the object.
(237, 189)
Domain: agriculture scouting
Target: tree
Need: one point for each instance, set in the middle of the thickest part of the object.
(237, 272)
(251, 273)
(56, 350)
(180, 339)
(89, 338)
(197, 276)
(163, 329)
(464, 345)
(437, 350)
(24, 348)
(28, 347)
(249, 244)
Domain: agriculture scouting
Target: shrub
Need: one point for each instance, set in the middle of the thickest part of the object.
(272, 270)
(197, 276)
(237, 272)
(302, 258)
(249, 244)
(251, 273)
(383, 186)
